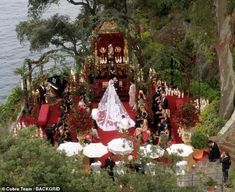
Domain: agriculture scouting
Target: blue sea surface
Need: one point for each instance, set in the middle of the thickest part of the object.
(12, 53)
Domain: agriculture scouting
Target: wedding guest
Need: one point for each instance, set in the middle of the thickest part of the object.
(164, 101)
(50, 129)
(67, 135)
(110, 164)
(141, 99)
(112, 70)
(88, 139)
(42, 94)
(226, 162)
(143, 130)
(132, 96)
(123, 124)
(214, 152)
(138, 119)
(116, 84)
(94, 131)
(164, 138)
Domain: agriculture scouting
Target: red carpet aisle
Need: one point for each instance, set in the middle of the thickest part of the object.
(107, 136)
(174, 103)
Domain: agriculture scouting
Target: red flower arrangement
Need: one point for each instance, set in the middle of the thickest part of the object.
(187, 115)
(79, 118)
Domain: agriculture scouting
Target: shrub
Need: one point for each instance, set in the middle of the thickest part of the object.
(210, 122)
(187, 116)
(199, 140)
(10, 109)
(210, 182)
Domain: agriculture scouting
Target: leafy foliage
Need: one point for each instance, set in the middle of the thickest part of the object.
(36, 7)
(232, 176)
(10, 109)
(28, 161)
(188, 115)
(203, 90)
(53, 31)
(231, 6)
(210, 182)
(199, 140)
(210, 122)
(202, 29)
(161, 7)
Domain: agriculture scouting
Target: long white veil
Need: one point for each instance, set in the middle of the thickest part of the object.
(111, 110)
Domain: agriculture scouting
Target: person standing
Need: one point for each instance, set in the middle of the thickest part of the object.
(123, 125)
(110, 164)
(226, 162)
(132, 95)
(42, 94)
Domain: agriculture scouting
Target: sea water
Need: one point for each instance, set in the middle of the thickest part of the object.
(12, 53)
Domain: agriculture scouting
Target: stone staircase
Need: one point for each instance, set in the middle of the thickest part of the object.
(226, 139)
(228, 144)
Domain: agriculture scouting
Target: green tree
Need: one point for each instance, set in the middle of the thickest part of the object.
(29, 161)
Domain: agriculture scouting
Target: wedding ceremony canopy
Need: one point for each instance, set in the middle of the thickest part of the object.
(111, 110)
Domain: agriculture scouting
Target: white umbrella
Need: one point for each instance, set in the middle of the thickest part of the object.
(181, 149)
(152, 151)
(70, 148)
(95, 150)
(120, 146)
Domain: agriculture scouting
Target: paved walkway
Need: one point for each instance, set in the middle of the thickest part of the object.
(199, 172)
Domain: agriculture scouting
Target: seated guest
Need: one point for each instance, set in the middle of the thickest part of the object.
(60, 134)
(166, 119)
(50, 129)
(141, 99)
(82, 104)
(94, 131)
(67, 135)
(143, 130)
(164, 138)
(166, 123)
(88, 139)
(156, 103)
(214, 152)
(159, 128)
(138, 119)
(164, 101)
(157, 116)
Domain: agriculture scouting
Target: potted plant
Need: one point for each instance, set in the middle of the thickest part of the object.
(199, 140)
(210, 183)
